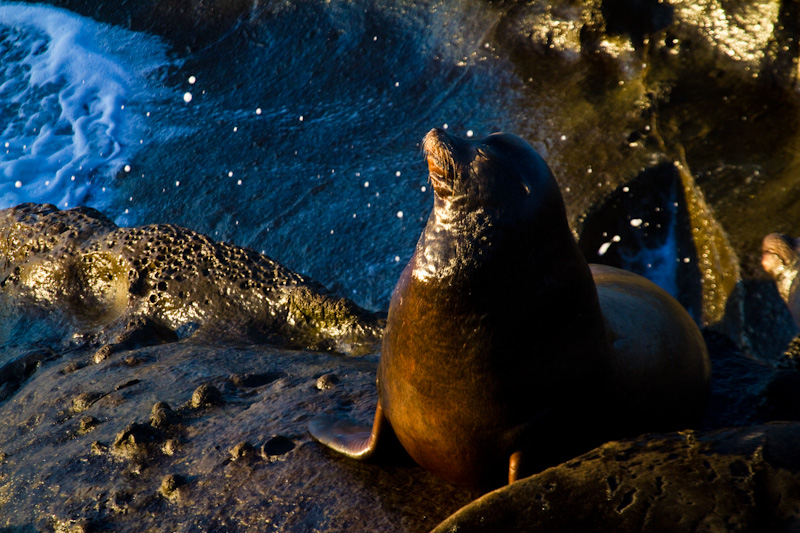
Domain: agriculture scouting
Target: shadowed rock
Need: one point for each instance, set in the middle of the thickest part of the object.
(732, 480)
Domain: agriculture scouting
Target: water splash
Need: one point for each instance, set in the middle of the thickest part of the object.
(69, 89)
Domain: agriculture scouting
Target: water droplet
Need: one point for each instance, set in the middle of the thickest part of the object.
(187, 97)
(192, 80)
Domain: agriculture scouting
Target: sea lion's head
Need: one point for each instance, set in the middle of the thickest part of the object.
(497, 174)
(493, 198)
(779, 257)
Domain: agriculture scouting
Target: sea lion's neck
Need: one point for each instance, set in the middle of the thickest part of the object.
(457, 242)
(450, 244)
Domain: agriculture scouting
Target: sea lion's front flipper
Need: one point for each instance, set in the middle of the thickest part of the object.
(353, 440)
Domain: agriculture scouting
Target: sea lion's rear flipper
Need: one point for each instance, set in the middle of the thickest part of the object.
(515, 467)
(353, 440)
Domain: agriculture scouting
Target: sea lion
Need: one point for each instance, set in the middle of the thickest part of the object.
(779, 257)
(504, 352)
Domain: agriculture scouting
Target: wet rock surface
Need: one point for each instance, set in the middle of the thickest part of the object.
(125, 287)
(180, 443)
(731, 480)
(667, 124)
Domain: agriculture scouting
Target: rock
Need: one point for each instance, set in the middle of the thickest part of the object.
(127, 475)
(241, 450)
(15, 372)
(206, 396)
(88, 423)
(161, 415)
(327, 381)
(84, 401)
(131, 287)
(171, 483)
(136, 442)
(744, 479)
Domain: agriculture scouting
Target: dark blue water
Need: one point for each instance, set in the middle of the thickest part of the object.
(301, 137)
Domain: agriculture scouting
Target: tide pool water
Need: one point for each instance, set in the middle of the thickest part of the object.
(69, 91)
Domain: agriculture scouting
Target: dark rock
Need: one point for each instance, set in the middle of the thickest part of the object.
(87, 424)
(207, 396)
(327, 381)
(136, 441)
(84, 401)
(162, 415)
(731, 480)
(15, 372)
(646, 226)
(171, 446)
(103, 353)
(241, 450)
(171, 483)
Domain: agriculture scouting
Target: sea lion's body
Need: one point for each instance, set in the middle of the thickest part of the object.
(498, 357)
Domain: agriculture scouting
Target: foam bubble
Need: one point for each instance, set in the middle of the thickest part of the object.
(69, 89)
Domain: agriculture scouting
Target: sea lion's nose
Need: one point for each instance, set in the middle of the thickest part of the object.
(434, 138)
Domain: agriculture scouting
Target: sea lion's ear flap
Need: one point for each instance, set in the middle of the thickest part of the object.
(357, 441)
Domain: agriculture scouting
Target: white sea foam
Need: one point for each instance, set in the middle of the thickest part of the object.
(70, 94)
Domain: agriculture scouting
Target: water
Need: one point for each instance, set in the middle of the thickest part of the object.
(296, 133)
(66, 89)
(308, 153)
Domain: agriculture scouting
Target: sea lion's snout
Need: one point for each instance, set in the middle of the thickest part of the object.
(438, 148)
